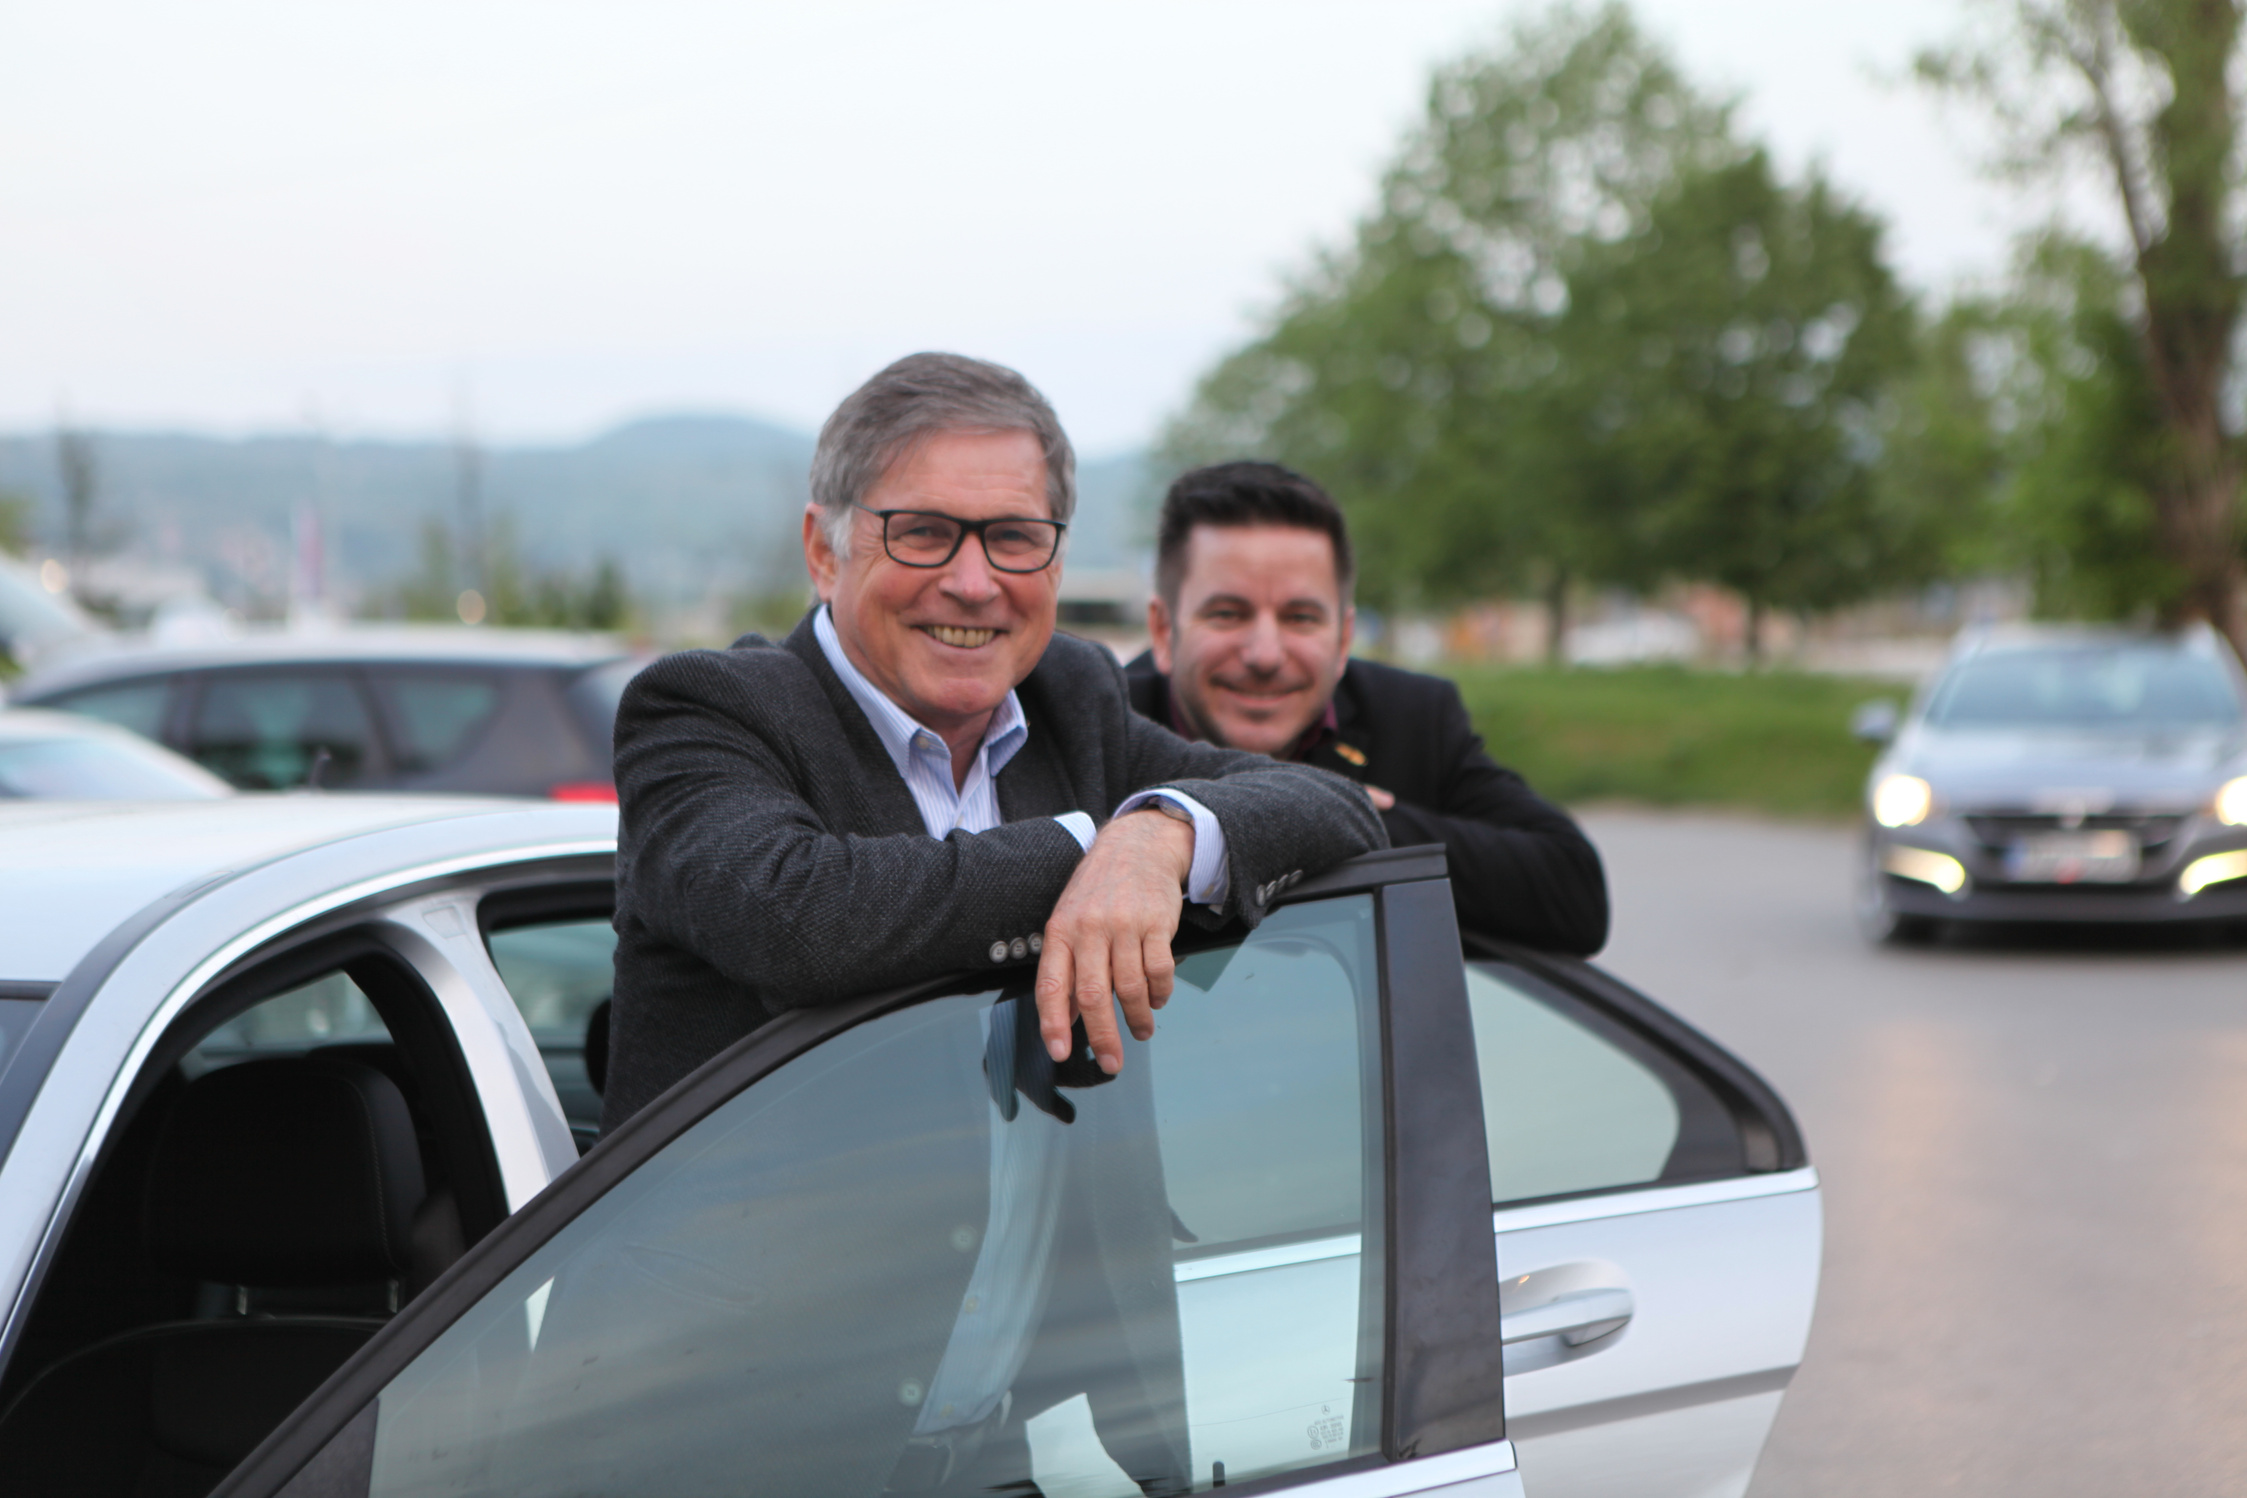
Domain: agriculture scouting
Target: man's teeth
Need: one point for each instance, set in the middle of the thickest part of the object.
(966, 639)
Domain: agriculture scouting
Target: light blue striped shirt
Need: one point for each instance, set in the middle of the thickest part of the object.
(925, 762)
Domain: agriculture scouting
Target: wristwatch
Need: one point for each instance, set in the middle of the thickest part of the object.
(1168, 808)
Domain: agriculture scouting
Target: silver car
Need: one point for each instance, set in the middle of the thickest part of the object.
(292, 1198)
(2061, 774)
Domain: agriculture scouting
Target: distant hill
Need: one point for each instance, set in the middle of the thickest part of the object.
(688, 504)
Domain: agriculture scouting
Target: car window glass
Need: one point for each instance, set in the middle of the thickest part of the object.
(1565, 1109)
(330, 1010)
(558, 973)
(262, 732)
(138, 706)
(918, 1257)
(2085, 687)
(16, 1016)
(88, 768)
(434, 717)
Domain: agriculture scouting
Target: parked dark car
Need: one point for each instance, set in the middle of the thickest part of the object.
(486, 711)
(2062, 774)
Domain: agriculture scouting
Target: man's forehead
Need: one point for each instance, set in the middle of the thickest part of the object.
(1006, 464)
(1224, 557)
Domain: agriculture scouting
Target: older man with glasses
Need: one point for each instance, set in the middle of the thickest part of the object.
(923, 778)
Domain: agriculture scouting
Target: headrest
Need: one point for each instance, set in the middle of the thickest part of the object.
(292, 1171)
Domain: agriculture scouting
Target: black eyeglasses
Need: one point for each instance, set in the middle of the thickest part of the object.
(924, 538)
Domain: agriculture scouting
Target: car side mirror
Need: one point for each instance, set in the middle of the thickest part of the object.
(1874, 721)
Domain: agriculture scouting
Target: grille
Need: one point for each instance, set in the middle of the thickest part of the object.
(1997, 833)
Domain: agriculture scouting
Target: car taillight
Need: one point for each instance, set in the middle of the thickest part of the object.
(583, 790)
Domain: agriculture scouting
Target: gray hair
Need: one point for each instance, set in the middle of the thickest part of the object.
(915, 398)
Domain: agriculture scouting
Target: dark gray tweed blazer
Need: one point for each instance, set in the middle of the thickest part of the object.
(771, 855)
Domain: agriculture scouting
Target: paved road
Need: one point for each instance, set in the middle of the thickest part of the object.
(2035, 1164)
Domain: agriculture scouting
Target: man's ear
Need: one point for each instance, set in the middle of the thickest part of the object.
(1158, 633)
(819, 557)
(1349, 627)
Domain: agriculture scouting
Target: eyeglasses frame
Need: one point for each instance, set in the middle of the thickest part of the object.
(977, 529)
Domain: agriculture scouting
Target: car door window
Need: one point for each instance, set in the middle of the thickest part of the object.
(434, 717)
(137, 705)
(265, 730)
(560, 974)
(903, 1259)
(1566, 1107)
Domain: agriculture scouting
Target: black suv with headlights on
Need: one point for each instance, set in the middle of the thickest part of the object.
(438, 708)
(2054, 773)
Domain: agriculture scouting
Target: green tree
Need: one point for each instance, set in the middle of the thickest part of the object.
(1744, 349)
(1425, 374)
(2141, 91)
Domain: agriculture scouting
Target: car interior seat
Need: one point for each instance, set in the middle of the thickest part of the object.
(295, 1181)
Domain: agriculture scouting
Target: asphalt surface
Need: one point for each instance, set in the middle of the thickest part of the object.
(2033, 1148)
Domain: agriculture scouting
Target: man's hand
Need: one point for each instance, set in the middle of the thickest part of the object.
(1381, 799)
(1110, 933)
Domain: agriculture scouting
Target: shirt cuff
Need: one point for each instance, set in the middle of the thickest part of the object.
(1211, 877)
(1080, 827)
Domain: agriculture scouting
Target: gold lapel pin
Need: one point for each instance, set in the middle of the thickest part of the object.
(1352, 753)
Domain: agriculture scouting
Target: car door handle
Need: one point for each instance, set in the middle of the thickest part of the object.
(1576, 1318)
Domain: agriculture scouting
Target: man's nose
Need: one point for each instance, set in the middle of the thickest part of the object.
(1261, 651)
(969, 576)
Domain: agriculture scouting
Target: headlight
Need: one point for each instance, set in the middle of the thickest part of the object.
(2231, 802)
(1904, 800)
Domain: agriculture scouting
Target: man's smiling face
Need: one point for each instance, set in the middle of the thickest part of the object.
(1259, 635)
(946, 643)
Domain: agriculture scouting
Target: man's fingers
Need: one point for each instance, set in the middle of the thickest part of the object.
(1056, 994)
(1095, 982)
(1131, 989)
(1161, 969)
(1382, 800)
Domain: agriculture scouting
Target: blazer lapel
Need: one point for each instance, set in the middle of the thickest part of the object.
(881, 791)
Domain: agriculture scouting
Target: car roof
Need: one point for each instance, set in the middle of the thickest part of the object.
(73, 871)
(1990, 639)
(116, 658)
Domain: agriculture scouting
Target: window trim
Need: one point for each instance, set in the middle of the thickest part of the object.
(1770, 1139)
(1443, 1382)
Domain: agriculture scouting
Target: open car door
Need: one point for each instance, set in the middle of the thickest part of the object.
(887, 1246)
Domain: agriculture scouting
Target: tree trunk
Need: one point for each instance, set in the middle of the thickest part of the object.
(1556, 618)
(2199, 528)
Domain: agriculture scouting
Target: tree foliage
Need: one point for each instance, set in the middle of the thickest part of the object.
(1744, 350)
(508, 590)
(1588, 333)
(2141, 93)
(1423, 374)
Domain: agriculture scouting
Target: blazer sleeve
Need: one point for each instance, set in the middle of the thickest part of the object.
(1282, 822)
(1520, 867)
(721, 855)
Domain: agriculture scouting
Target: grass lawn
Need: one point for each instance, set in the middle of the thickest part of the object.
(1776, 742)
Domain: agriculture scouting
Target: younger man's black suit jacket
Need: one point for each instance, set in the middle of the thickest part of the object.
(1520, 867)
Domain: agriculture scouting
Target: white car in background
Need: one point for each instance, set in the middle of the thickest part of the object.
(291, 1201)
(61, 756)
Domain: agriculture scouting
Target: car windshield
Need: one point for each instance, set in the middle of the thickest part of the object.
(99, 769)
(2134, 687)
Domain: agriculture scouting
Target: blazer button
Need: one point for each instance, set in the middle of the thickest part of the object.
(998, 951)
(1037, 941)
(1018, 948)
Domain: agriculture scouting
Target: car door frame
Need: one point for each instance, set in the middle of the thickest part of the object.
(397, 911)
(1442, 1396)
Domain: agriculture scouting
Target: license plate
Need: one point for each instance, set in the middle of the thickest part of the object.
(2073, 858)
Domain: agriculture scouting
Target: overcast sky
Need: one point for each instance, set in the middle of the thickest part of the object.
(547, 218)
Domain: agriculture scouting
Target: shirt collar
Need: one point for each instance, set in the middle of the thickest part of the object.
(898, 730)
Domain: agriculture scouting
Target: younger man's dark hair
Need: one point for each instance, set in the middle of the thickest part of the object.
(1245, 493)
